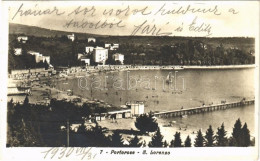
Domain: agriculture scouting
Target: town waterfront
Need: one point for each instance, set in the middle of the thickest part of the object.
(130, 81)
(200, 86)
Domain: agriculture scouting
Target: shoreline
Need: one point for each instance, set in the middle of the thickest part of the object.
(78, 71)
(124, 124)
(117, 68)
(221, 67)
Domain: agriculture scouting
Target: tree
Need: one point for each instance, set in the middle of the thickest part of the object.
(187, 142)
(101, 140)
(237, 131)
(221, 139)
(64, 38)
(135, 142)
(24, 50)
(157, 139)
(46, 65)
(110, 60)
(26, 101)
(177, 140)
(22, 134)
(82, 128)
(93, 137)
(245, 136)
(146, 123)
(199, 140)
(117, 140)
(165, 144)
(209, 137)
(86, 110)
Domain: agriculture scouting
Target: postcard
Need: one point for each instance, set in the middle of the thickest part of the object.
(127, 80)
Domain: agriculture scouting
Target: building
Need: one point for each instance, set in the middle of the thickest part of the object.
(71, 37)
(86, 60)
(39, 57)
(142, 54)
(18, 51)
(79, 55)
(115, 46)
(18, 91)
(47, 59)
(89, 49)
(126, 113)
(34, 53)
(101, 117)
(91, 39)
(112, 46)
(22, 39)
(119, 57)
(107, 46)
(137, 108)
(100, 55)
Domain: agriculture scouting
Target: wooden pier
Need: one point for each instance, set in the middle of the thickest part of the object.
(202, 109)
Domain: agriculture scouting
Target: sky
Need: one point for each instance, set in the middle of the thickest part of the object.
(222, 19)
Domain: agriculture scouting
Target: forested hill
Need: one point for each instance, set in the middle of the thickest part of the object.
(242, 42)
(18, 29)
(138, 50)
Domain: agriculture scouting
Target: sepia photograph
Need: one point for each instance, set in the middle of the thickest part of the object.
(143, 78)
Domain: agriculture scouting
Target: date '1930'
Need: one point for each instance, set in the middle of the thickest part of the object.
(63, 152)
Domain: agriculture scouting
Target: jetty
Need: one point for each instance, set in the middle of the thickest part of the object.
(202, 109)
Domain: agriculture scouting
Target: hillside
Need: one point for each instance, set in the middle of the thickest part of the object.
(156, 50)
(240, 42)
(18, 29)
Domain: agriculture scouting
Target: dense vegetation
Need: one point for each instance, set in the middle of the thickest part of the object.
(43, 122)
(138, 50)
(146, 123)
(31, 125)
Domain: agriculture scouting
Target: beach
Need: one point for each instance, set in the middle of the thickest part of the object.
(45, 89)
